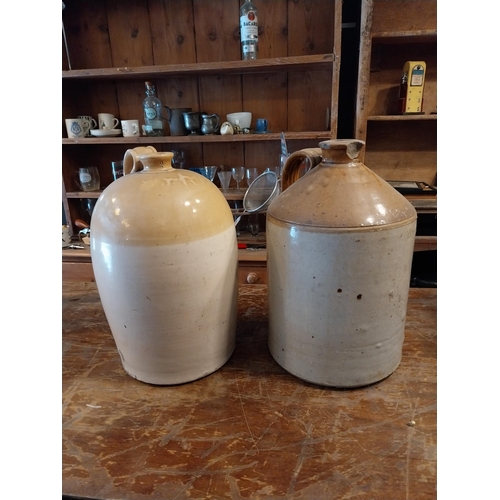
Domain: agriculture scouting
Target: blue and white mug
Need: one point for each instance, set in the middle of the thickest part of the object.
(75, 128)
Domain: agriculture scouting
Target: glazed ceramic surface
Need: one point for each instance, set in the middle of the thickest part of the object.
(339, 247)
(164, 254)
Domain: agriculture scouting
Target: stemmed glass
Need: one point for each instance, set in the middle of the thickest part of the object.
(238, 175)
(251, 174)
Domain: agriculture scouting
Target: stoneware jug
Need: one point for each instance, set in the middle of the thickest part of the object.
(165, 260)
(339, 252)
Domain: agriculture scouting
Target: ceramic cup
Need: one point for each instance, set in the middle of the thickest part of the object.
(75, 128)
(89, 178)
(130, 128)
(66, 236)
(261, 125)
(107, 121)
(88, 124)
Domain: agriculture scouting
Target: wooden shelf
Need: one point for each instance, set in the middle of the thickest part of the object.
(298, 63)
(83, 194)
(423, 243)
(418, 36)
(401, 118)
(199, 138)
(232, 194)
(423, 203)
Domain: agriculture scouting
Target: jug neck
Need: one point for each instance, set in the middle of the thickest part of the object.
(157, 161)
(341, 151)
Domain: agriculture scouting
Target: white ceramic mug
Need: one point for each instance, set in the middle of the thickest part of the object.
(88, 124)
(75, 128)
(107, 121)
(66, 236)
(130, 128)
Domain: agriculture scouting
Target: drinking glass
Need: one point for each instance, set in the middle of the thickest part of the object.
(251, 174)
(117, 167)
(88, 178)
(179, 159)
(238, 175)
(210, 173)
(253, 224)
(225, 179)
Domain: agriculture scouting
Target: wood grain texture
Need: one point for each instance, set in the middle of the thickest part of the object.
(403, 150)
(172, 31)
(250, 430)
(404, 15)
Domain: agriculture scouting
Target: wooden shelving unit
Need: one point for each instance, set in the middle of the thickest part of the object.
(398, 147)
(191, 51)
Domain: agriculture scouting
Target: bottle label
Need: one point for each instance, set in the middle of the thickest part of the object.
(84, 177)
(249, 27)
(248, 49)
(150, 113)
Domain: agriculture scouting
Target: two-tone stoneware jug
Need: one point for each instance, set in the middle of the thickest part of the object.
(339, 251)
(165, 260)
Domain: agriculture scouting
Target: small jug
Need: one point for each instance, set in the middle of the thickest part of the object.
(209, 124)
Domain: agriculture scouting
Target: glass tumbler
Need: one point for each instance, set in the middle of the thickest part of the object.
(89, 179)
(225, 179)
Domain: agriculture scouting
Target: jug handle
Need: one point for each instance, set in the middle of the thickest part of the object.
(218, 121)
(292, 165)
(131, 163)
(169, 113)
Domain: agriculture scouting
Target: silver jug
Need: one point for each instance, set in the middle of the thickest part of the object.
(192, 122)
(209, 124)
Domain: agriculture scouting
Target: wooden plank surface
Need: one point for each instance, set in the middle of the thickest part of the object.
(172, 31)
(404, 15)
(403, 150)
(250, 430)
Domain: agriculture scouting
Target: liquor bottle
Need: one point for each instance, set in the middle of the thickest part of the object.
(152, 112)
(403, 90)
(249, 31)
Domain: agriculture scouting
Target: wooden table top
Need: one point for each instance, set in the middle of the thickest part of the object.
(249, 430)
